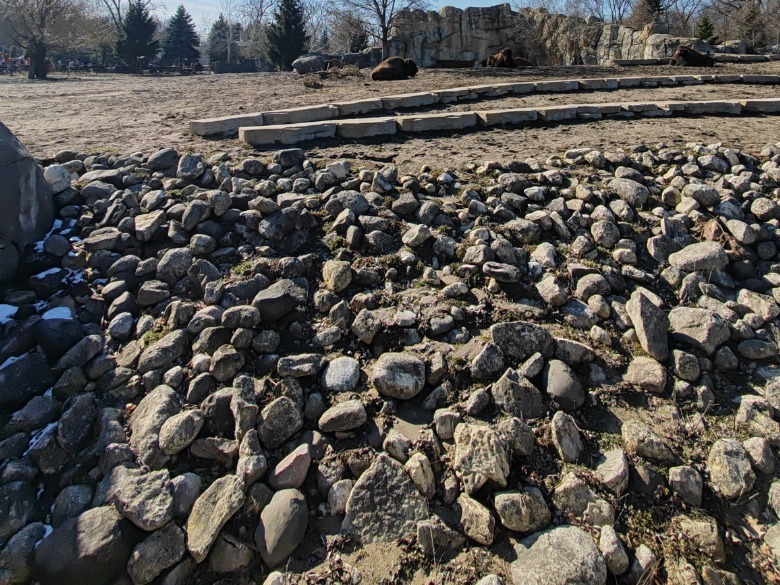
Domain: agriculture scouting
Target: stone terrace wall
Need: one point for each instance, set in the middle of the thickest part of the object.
(470, 35)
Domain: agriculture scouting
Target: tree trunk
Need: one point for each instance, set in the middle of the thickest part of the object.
(385, 32)
(37, 68)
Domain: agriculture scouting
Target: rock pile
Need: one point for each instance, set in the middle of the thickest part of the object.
(212, 357)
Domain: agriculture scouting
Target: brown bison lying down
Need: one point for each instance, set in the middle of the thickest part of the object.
(394, 68)
(687, 57)
(506, 59)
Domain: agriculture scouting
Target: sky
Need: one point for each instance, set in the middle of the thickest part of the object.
(204, 11)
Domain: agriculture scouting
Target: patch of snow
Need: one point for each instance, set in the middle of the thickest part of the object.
(12, 359)
(49, 392)
(38, 436)
(58, 313)
(47, 530)
(6, 313)
(40, 305)
(46, 273)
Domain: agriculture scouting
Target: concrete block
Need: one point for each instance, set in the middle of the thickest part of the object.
(705, 78)
(638, 107)
(454, 93)
(224, 125)
(606, 109)
(629, 81)
(287, 133)
(357, 107)
(558, 113)
(300, 115)
(432, 122)
(760, 79)
(762, 106)
(515, 88)
(482, 89)
(594, 84)
(727, 78)
(366, 127)
(409, 100)
(513, 116)
(685, 79)
(704, 107)
(557, 86)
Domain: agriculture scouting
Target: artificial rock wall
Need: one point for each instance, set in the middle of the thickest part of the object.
(471, 34)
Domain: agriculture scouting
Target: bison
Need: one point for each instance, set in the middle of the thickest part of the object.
(501, 59)
(688, 57)
(394, 68)
(332, 64)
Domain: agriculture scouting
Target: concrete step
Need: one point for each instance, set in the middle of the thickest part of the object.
(357, 107)
(557, 86)
(287, 133)
(508, 116)
(432, 122)
(225, 124)
(366, 127)
(300, 115)
(762, 106)
(409, 100)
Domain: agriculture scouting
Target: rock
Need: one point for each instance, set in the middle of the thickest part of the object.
(280, 420)
(93, 547)
(291, 471)
(185, 489)
(147, 420)
(17, 501)
(341, 375)
(179, 431)
(230, 555)
(702, 532)
(687, 484)
(279, 299)
(488, 363)
(475, 520)
(384, 504)
(519, 339)
(282, 526)
(614, 553)
(301, 365)
(573, 496)
(651, 325)
(16, 559)
(518, 396)
(644, 564)
(336, 275)
(338, 496)
(398, 375)
(419, 469)
(703, 194)
(633, 193)
(435, 538)
(562, 385)
(190, 167)
(647, 375)
(70, 502)
(27, 201)
(566, 437)
(164, 352)
(730, 471)
(143, 498)
(699, 328)
(523, 511)
(566, 548)
(24, 378)
(162, 159)
(211, 512)
(343, 417)
(163, 549)
(639, 439)
(308, 64)
(761, 456)
(702, 256)
(480, 457)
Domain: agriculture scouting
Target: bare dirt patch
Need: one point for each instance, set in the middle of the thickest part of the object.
(122, 114)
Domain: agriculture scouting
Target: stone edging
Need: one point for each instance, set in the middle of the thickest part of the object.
(324, 112)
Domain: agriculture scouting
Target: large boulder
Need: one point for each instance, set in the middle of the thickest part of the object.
(26, 200)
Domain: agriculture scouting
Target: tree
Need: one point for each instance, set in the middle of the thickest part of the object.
(350, 32)
(254, 13)
(381, 15)
(137, 40)
(36, 26)
(704, 29)
(656, 8)
(222, 41)
(181, 40)
(287, 38)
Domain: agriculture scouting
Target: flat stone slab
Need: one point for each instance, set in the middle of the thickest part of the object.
(640, 107)
(357, 107)
(592, 84)
(453, 93)
(429, 122)
(557, 86)
(704, 107)
(300, 115)
(287, 133)
(727, 58)
(630, 62)
(409, 100)
(558, 113)
(366, 127)
(764, 106)
(629, 81)
(509, 116)
(482, 89)
(225, 124)
(685, 79)
(760, 79)
(727, 78)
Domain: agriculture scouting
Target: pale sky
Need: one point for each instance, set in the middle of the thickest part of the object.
(203, 11)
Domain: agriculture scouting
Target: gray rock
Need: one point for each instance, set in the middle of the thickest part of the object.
(147, 420)
(563, 386)
(730, 471)
(143, 498)
(651, 325)
(384, 504)
(211, 512)
(520, 339)
(26, 377)
(646, 374)
(341, 375)
(705, 195)
(179, 431)
(93, 547)
(17, 501)
(523, 511)
(279, 299)
(566, 437)
(435, 538)
(488, 363)
(190, 167)
(174, 265)
(342, 417)
(614, 553)
(518, 396)
(163, 352)
(16, 559)
(280, 420)
(705, 256)
(699, 328)
(185, 489)
(164, 158)
(475, 520)
(70, 502)
(398, 375)
(301, 365)
(640, 439)
(687, 484)
(633, 193)
(337, 275)
(282, 526)
(568, 549)
(480, 457)
(163, 549)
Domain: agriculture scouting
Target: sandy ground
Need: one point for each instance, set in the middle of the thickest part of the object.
(122, 114)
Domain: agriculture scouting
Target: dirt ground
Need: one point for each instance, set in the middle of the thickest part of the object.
(110, 114)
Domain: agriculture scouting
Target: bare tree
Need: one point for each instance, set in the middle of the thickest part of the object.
(681, 15)
(255, 13)
(381, 15)
(230, 11)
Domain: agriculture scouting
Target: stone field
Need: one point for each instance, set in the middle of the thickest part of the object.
(517, 335)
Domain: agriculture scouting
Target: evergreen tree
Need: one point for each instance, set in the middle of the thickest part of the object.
(324, 41)
(287, 38)
(137, 40)
(359, 37)
(223, 39)
(705, 30)
(181, 40)
(656, 8)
